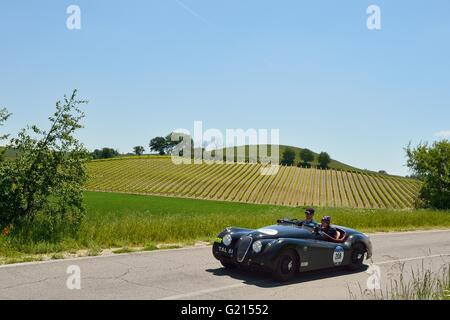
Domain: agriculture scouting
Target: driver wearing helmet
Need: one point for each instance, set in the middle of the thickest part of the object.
(327, 229)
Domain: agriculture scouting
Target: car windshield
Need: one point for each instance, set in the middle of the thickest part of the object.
(288, 221)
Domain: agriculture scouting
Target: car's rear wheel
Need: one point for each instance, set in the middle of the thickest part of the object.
(286, 265)
(227, 264)
(357, 256)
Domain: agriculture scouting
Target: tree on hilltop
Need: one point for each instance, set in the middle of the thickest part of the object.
(324, 160)
(138, 150)
(158, 144)
(307, 156)
(104, 153)
(288, 157)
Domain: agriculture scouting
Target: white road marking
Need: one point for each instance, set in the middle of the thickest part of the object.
(414, 258)
(375, 234)
(204, 291)
(242, 284)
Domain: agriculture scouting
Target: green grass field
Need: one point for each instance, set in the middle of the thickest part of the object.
(163, 219)
(122, 221)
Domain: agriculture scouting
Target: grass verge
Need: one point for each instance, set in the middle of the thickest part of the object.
(421, 283)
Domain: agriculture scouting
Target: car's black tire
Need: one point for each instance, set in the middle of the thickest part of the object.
(286, 265)
(228, 265)
(357, 256)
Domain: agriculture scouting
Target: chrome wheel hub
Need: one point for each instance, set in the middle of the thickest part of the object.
(290, 265)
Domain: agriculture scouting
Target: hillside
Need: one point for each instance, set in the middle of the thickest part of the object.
(334, 164)
(242, 182)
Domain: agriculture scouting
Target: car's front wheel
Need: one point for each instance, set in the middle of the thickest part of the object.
(286, 266)
(357, 256)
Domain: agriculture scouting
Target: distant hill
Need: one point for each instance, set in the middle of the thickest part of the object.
(334, 164)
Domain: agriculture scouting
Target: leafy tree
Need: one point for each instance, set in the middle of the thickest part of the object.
(139, 150)
(288, 157)
(306, 156)
(382, 172)
(47, 177)
(158, 144)
(432, 163)
(324, 160)
(165, 145)
(105, 153)
(4, 115)
(171, 143)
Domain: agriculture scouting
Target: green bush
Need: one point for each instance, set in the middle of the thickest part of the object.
(432, 165)
(41, 189)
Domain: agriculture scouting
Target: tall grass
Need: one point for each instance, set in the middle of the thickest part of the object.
(420, 283)
(119, 220)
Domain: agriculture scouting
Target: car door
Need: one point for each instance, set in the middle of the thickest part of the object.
(326, 254)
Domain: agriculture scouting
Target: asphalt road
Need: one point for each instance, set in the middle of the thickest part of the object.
(195, 274)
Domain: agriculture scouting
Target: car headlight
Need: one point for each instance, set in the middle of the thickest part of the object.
(257, 246)
(227, 240)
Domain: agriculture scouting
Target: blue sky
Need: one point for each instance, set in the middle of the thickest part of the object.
(310, 68)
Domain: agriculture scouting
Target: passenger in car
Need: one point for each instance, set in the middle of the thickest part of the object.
(327, 229)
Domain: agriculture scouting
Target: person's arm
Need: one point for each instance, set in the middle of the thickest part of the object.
(338, 235)
(333, 233)
(330, 234)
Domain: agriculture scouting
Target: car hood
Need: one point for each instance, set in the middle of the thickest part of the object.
(281, 231)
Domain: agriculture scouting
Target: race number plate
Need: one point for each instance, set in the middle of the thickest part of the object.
(338, 255)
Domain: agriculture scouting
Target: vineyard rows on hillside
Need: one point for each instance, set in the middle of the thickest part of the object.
(243, 182)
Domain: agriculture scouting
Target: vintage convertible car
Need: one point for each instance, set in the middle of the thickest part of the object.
(290, 247)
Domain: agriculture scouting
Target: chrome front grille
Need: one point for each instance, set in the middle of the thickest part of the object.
(243, 246)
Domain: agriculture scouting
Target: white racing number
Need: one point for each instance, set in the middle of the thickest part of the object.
(270, 232)
(338, 255)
